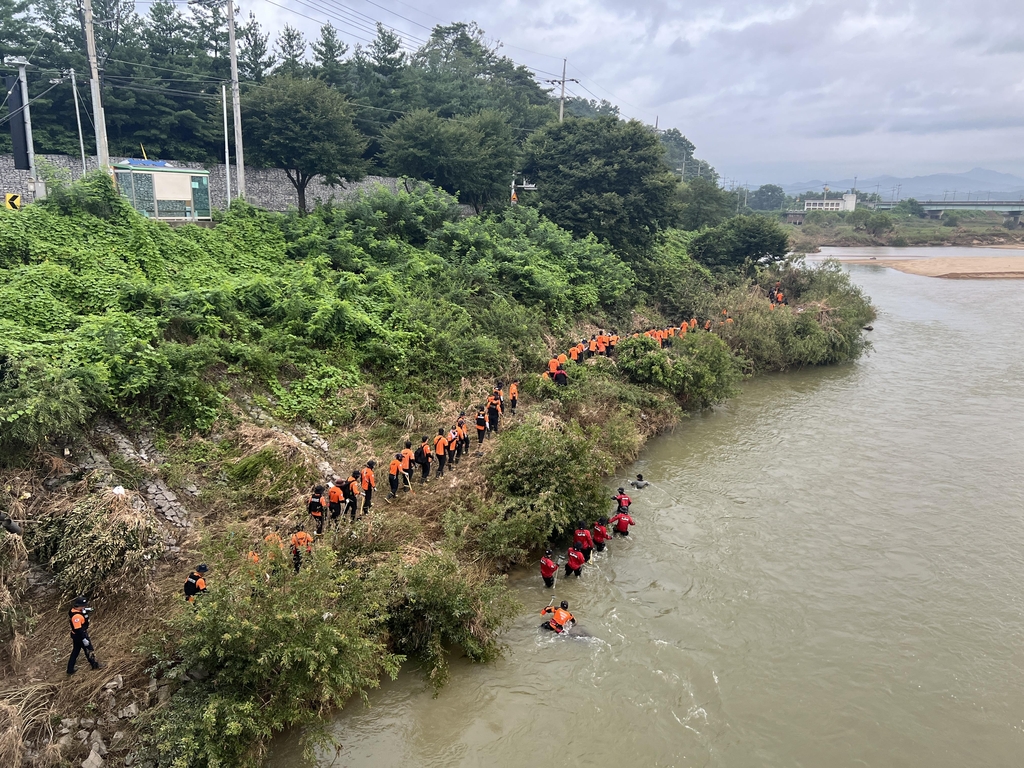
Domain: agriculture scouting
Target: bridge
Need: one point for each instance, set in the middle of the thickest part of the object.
(1011, 209)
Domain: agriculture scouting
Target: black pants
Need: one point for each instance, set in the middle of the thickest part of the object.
(77, 647)
(350, 508)
(441, 461)
(465, 445)
(599, 546)
(549, 581)
(480, 434)
(620, 533)
(514, 402)
(586, 553)
(393, 484)
(335, 507)
(319, 522)
(425, 468)
(368, 501)
(493, 417)
(296, 559)
(570, 571)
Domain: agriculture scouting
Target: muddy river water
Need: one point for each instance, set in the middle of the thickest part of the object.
(827, 571)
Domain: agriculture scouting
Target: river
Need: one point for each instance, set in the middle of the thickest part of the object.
(827, 571)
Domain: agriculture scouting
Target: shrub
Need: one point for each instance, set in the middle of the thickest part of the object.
(100, 545)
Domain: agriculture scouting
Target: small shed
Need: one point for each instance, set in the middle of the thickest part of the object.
(160, 191)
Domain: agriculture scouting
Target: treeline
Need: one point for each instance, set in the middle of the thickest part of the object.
(452, 111)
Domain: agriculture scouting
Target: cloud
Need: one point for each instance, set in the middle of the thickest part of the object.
(773, 86)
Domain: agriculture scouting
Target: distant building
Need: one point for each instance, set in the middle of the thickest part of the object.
(848, 203)
(160, 191)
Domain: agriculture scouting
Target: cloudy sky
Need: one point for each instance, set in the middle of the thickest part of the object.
(768, 90)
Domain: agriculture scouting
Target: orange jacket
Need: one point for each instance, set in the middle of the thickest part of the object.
(552, 365)
(368, 478)
(513, 390)
(395, 467)
(301, 539)
(440, 445)
(407, 458)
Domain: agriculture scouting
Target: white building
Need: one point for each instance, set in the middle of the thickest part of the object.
(848, 203)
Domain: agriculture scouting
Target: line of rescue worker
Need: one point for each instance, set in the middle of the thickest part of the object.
(585, 540)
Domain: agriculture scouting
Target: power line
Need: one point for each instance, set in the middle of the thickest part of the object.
(611, 93)
(20, 109)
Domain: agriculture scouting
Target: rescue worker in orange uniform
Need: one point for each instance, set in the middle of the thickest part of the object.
(563, 358)
(592, 346)
(424, 457)
(548, 569)
(355, 491)
(408, 456)
(552, 365)
(440, 452)
(481, 425)
(78, 616)
(465, 432)
(574, 354)
(369, 483)
(317, 506)
(196, 582)
(335, 497)
(394, 473)
(560, 618)
(513, 396)
(300, 541)
(494, 410)
(613, 341)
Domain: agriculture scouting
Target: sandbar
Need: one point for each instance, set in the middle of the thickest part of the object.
(970, 268)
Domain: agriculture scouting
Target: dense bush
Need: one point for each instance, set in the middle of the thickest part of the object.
(698, 367)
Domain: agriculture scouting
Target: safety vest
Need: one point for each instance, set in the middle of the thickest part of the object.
(561, 617)
(315, 505)
(79, 621)
(194, 584)
(481, 421)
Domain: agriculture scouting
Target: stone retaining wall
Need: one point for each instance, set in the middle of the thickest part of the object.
(267, 188)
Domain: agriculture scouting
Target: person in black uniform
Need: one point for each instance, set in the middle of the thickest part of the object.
(79, 618)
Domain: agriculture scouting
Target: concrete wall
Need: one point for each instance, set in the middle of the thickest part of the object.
(265, 187)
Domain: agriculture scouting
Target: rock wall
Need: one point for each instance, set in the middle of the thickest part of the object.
(265, 187)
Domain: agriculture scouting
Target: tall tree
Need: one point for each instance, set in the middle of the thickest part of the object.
(290, 49)
(705, 204)
(678, 149)
(580, 107)
(255, 60)
(768, 197)
(742, 242)
(328, 53)
(603, 176)
(305, 128)
(474, 157)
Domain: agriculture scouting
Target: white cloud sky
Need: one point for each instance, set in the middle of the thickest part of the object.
(767, 90)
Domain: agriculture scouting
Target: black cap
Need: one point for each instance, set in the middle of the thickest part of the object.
(565, 605)
(547, 553)
(622, 490)
(371, 463)
(80, 601)
(202, 568)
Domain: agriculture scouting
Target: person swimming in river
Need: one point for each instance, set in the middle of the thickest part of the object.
(639, 482)
(560, 618)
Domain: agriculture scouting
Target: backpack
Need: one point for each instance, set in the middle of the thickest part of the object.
(419, 456)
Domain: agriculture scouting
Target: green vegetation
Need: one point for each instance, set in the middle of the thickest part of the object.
(361, 321)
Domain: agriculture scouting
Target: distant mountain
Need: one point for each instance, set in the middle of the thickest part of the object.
(979, 183)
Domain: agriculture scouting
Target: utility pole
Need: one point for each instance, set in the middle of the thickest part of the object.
(38, 188)
(235, 100)
(78, 119)
(227, 153)
(102, 155)
(562, 82)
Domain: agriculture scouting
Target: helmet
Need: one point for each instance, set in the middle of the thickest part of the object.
(565, 605)
(80, 601)
(547, 553)
(398, 455)
(202, 568)
(622, 490)
(371, 463)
